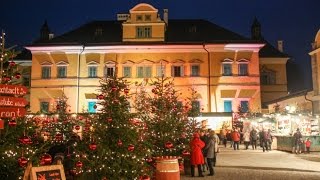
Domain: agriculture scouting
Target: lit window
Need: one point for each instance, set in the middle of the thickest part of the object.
(177, 71)
(144, 72)
(243, 69)
(227, 69)
(109, 71)
(227, 106)
(139, 17)
(44, 107)
(161, 70)
(46, 72)
(195, 70)
(127, 71)
(92, 71)
(143, 32)
(147, 18)
(62, 71)
(91, 106)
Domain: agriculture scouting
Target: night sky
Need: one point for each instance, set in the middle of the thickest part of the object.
(296, 22)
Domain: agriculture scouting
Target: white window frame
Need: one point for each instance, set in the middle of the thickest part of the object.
(224, 62)
(178, 63)
(64, 65)
(111, 65)
(46, 64)
(240, 62)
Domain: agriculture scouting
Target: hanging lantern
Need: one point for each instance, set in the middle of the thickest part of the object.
(100, 97)
(17, 75)
(79, 164)
(168, 145)
(130, 147)
(23, 161)
(12, 123)
(93, 146)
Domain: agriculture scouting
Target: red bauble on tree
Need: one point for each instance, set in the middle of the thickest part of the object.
(45, 159)
(12, 63)
(119, 143)
(59, 137)
(169, 145)
(17, 75)
(109, 119)
(130, 147)
(145, 177)
(185, 153)
(22, 161)
(100, 97)
(25, 140)
(114, 88)
(95, 106)
(126, 90)
(77, 127)
(93, 146)
(149, 160)
(12, 123)
(79, 164)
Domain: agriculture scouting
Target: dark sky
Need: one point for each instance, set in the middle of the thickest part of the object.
(296, 22)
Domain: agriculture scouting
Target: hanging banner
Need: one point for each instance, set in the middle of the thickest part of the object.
(13, 89)
(1, 124)
(12, 112)
(12, 101)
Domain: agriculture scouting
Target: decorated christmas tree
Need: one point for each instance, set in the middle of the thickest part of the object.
(116, 146)
(165, 116)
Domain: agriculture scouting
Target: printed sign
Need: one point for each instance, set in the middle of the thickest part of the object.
(1, 124)
(12, 112)
(53, 172)
(12, 101)
(13, 89)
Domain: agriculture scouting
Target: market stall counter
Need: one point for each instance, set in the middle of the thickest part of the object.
(286, 143)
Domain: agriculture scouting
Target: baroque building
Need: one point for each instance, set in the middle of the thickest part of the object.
(227, 70)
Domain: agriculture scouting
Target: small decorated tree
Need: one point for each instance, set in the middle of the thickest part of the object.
(116, 147)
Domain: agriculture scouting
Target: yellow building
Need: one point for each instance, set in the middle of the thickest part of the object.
(315, 66)
(221, 65)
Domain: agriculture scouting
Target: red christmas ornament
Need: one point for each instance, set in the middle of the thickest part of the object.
(45, 159)
(59, 137)
(114, 88)
(17, 75)
(58, 106)
(95, 106)
(145, 177)
(86, 129)
(109, 119)
(185, 153)
(93, 146)
(119, 143)
(6, 78)
(12, 63)
(126, 90)
(79, 164)
(25, 140)
(73, 171)
(154, 91)
(77, 127)
(169, 145)
(130, 147)
(100, 97)
(22, 161)
(149, 160)
(12, 123)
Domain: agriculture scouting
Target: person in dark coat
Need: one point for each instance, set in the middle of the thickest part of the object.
(297, 137)
(211, 152)
(253, 138)
(197, 158)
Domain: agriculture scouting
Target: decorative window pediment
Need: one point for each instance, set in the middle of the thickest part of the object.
(93, 63)
(146, 61)
(128, 62)
(62, 63)
(46, 63)
(110, 63)
(195, 61)
(178, 61)
(243, 60)
(227, 60)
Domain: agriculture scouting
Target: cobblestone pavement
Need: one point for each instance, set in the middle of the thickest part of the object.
(256, 164)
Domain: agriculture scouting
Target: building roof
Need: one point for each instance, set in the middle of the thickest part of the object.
(178, 31)
(270, 51)
(289, 96)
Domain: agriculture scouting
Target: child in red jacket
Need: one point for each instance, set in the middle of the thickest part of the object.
(308, 144)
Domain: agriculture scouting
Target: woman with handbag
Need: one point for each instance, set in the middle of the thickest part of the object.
(211, 153)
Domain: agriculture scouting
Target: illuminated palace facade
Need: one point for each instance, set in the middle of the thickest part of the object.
(226, 69)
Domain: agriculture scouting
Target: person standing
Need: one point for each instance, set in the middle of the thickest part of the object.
(216, 146)
(246, 139)
(197, 158)
(253, 138)
(297, 137)
(308, 145)
(264, 140)
(236, 139)
(223, 136)
(269, 139)
(211, 152)
(204, 136)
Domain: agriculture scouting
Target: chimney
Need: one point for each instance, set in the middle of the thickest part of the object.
(280, 45)
(165, 16)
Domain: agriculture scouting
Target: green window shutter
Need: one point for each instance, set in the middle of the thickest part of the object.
(140, 72)
(148, 72)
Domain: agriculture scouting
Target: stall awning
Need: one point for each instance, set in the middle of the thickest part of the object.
(247, 93)
(228, 93)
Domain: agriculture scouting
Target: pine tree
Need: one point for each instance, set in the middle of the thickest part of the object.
(117, 137)
(165, 117)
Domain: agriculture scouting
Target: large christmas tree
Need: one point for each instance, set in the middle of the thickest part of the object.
(166, 117)
(116, 143)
